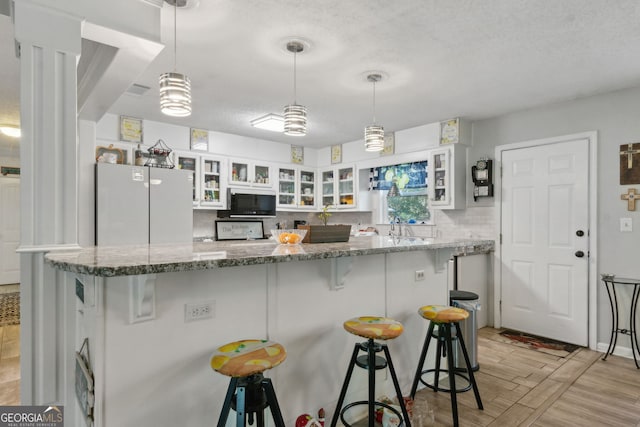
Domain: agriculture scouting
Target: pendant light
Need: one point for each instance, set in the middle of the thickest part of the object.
(374, 134)
(175, 88)
(295, 116)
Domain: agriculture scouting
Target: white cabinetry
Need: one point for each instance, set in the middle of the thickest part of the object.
(209, 187)
(339, 187)
(243, 173)
(188, 161)
(296, 188)
(446, 177)
(212, 182)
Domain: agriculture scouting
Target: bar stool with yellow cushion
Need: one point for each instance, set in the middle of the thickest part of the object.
(249, 392)
(444, 316)
(372, 328)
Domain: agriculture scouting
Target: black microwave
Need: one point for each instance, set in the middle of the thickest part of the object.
(248, 203)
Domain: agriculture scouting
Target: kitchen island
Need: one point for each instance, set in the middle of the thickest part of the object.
(151, 365)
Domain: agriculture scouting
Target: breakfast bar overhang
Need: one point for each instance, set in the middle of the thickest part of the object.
(150, 366)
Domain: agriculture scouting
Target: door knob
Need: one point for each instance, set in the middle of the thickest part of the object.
(579, 254)
(579, 233)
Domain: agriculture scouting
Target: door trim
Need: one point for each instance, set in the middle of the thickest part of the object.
(592, 137)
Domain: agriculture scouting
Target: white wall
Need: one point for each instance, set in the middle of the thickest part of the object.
(615, 117)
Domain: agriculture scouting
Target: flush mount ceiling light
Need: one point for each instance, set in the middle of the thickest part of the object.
(10, 130)
(175, 88)
(295, 116)
(374, 134)
(271, 121)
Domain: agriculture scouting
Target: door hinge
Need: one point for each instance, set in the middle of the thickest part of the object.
(500, 238)
(500, 307)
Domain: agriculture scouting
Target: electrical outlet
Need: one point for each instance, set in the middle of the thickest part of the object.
(199, 311)
(419, 275)
(626, 224)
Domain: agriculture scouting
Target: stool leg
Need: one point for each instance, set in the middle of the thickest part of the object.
(240, 402)
(345, 386)
(468, 364)
(272, 400)
(407, 423)
(451, 370)
(226, 406)
(371, 361)
(439, 355)
(423, 356)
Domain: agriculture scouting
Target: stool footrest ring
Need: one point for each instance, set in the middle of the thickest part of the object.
(366, 402)
(445, 389)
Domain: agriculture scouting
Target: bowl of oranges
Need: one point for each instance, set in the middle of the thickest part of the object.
(288, 237)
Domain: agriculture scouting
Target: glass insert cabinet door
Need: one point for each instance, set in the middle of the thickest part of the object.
(346, 187)
(240, 173)
(286, 187)
(261, 174)
(441, 169)
(211, 174)
(307, 188)
(328, 193)
(189, 163)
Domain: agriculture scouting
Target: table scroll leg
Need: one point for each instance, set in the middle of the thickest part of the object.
(613, 321)
(632, 324)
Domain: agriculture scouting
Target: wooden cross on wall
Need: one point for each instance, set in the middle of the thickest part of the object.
(630, 164)
(631, 198)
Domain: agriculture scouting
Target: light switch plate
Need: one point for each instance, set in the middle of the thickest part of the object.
(626, 225)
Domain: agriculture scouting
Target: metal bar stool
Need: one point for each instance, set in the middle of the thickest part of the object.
(444, 316)
(372, 328)
(249, 392)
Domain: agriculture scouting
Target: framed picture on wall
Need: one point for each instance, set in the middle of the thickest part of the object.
(199, 139)
(297, 154)
(336, 154)
(131, 129)
(389, 144)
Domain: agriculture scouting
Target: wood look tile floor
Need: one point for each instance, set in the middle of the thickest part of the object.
(9, 365)
(521, 387)
(9, 358)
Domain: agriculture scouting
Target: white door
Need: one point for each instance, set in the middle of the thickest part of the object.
(9, 230)
(545, 217)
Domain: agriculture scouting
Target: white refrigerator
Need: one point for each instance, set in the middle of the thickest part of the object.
(141, 205)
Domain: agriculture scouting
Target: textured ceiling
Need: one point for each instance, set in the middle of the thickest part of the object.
(472, 59)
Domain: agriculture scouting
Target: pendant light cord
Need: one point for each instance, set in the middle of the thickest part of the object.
(295, 55)
(175, 35)
(374, 102)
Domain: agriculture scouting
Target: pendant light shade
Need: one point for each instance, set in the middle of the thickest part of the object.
(175, 94)
(175, 88)
(295, 115)
(295, 120)
(374, 134)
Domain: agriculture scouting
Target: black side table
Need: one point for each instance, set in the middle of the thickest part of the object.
(609, 282)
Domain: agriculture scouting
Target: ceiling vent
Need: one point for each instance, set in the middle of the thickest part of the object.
(184, 4)
(137, 90)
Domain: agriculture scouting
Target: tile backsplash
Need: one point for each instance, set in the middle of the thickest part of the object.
(474, 222)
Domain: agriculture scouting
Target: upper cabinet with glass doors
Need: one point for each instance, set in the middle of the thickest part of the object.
(296, 188)
(250, 174)
(446, 176)
(190, 162)
(212, 182)
(339, 187)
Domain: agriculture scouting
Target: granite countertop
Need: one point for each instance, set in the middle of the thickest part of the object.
(111, 261)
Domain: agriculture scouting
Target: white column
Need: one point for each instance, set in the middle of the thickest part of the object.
(50, 44)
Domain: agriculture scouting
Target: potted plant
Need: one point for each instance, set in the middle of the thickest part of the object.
(326, 233)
